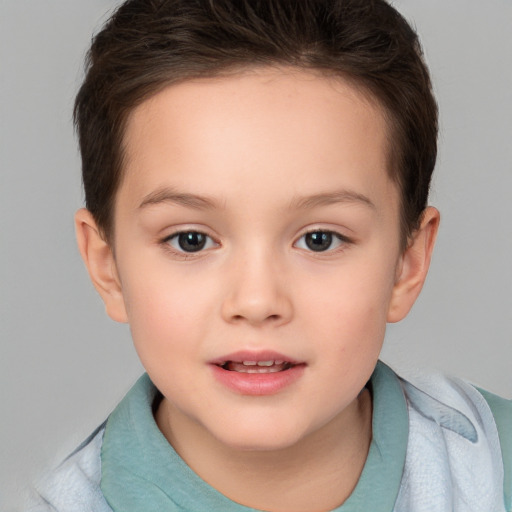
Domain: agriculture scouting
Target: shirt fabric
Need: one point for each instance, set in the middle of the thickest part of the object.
(435, 446)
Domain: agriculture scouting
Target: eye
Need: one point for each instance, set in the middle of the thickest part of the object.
(320, 241)
(190, 241)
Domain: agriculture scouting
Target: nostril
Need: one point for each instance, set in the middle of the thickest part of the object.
(256, 309)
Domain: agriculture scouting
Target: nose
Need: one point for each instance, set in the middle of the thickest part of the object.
(258, 293)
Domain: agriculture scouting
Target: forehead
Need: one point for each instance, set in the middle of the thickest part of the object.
(267, 128)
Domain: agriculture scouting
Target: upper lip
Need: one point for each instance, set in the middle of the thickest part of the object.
(248, 355)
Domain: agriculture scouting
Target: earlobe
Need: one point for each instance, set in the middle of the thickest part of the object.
(413, 266)
(100, 263)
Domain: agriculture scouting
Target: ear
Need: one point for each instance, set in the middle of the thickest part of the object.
(413, 266)
(99, 260)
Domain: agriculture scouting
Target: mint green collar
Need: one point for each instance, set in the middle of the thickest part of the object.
(141, 470)
(379, 483)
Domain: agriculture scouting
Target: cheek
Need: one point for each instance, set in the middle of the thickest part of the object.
(166, 335)
(350, 305)
(168, 316)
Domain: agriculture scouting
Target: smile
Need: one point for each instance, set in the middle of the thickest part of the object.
(271, 366)
(263, 373)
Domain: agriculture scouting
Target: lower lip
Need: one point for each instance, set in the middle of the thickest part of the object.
(258, 384)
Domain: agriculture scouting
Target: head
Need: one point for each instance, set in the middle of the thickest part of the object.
(256, 179)
(150, 44)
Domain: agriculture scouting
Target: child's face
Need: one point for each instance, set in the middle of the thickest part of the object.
(289, 251)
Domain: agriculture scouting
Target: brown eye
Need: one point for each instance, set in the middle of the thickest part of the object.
(321, 241)
(318, 240)
(190, 241)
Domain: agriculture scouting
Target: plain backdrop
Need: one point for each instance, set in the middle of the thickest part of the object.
(64, 365)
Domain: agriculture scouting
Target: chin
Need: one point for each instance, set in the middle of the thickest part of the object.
(258, 439)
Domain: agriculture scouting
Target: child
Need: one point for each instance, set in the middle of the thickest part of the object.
(256, 179)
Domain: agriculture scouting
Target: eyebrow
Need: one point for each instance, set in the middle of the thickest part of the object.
(169, 195)
(326, 199)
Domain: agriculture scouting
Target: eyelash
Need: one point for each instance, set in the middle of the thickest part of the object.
(334, 236)
(209, 242)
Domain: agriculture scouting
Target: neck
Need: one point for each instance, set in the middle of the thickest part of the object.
(316, 474)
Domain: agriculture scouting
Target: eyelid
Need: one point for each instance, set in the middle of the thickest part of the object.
(342, 239)
(166, 241)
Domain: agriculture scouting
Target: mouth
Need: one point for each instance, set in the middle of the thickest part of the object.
(252, 366)
(257, 373)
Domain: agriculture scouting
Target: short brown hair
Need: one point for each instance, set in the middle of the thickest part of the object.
(149, 44)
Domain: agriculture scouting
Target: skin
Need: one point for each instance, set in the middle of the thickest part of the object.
(276, 153)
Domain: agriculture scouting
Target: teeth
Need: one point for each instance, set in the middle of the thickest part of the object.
(262, 363)
(264, 370)
(257, 366)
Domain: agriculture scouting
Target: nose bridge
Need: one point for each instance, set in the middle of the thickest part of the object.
(257, 292)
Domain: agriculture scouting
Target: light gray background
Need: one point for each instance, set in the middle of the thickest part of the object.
(64, 364)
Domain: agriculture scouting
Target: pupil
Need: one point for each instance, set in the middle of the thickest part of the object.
(319, 241)
(191, 242)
